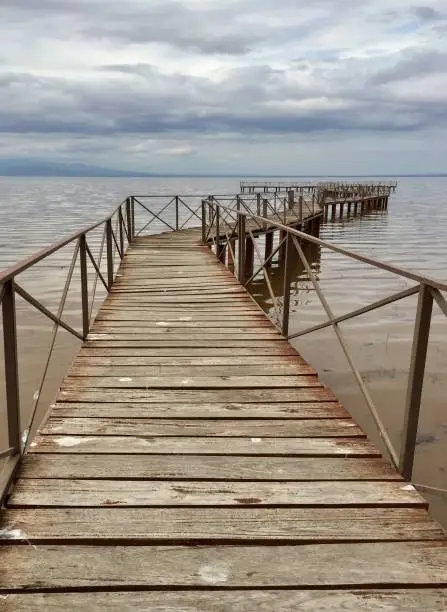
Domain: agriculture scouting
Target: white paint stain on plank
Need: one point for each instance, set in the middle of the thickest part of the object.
(12, 534)
(214, 573)
(69, 441)
(408, 488)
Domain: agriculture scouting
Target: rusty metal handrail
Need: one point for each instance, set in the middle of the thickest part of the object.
(18, 436)
(114, 239)
(428, 290)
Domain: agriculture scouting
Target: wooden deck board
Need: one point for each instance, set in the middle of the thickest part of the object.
(144, 525)
(291, 600)
(375, 565)
(203, 467)
(190, 444)
(90, 493)
(291, 410)
(187, 424)
(237, 428)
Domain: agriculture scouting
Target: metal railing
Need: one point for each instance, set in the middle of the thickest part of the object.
(236, 246)
(135, 215)
(302, 186)
(291, 209)
(117, 233)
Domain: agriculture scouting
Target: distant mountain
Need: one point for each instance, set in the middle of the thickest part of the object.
(21, 166)
(30, 167)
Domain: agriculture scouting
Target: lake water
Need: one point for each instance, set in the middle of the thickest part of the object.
(412, 234)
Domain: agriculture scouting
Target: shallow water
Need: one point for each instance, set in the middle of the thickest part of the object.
(411, 233)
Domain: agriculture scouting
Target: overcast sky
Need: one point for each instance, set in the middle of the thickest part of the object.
(226, 86)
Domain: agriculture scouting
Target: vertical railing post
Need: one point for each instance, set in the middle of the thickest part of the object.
(286, 286)
(120, 218)
(109, 246)
(264, 211)
(217, 231)
(258, 204)
(11, 365)
(129, 219)
(210, 221)
(203, 221)
(84, 285)
(132, 218)
(291, 199)
(176, 212)
(415, 381)
(241, 248)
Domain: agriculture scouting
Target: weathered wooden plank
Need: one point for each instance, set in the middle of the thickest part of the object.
(225, 308)
(203, 467)
(281, 350)
(183, 322)
(30, 568)
(129, 288)
(84, 493)
(193, 445)
(155, 325)
(410, 600)
(316, 410)
(217, 285)
(182, 293)
(180, 338)
(194, 396)
(180, 342)
(221, 524)
(146, 298)
(109, 330)
(190, 382)
(175, 275)
(265, 428)
(82, 367)
(180, 312)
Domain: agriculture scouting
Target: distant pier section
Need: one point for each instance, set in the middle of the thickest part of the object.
(337, 200)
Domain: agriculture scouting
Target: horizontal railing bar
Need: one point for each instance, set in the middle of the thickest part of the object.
(7, 453)
(360, 311)
(41, 308)
(431, 282)
(26, 263)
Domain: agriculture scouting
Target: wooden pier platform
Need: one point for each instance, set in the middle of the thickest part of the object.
(194, 461)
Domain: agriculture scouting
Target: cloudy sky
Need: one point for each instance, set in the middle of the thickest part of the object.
(226, 86)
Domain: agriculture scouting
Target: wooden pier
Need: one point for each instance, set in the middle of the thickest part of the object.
(306, 187)
(194, 461)
(336, 200)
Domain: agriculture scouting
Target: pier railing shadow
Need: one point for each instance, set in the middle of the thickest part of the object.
(236, 245)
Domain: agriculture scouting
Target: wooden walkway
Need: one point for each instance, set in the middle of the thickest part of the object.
(193, 461)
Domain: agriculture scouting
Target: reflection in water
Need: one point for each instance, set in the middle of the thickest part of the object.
(300, 285)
